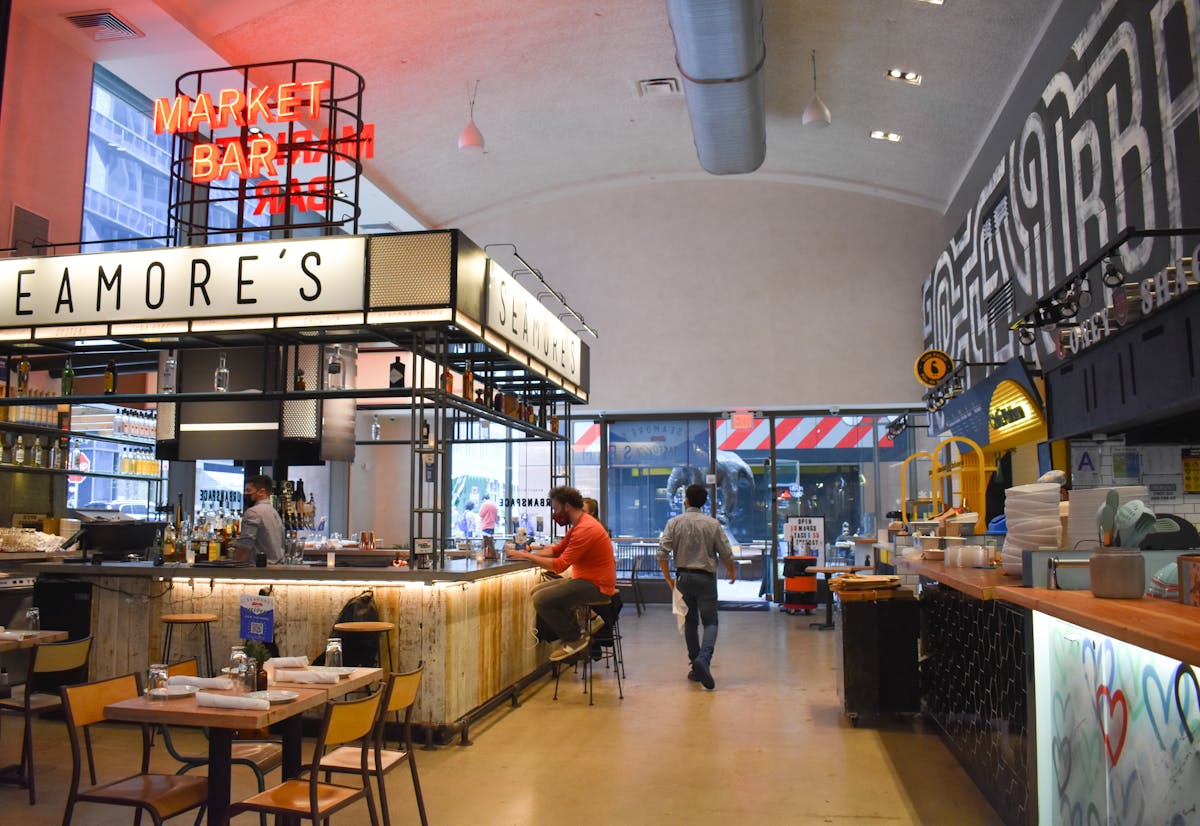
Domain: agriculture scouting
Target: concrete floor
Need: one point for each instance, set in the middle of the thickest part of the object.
(768, 746)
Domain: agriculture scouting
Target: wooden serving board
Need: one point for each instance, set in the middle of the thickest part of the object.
(876, 595)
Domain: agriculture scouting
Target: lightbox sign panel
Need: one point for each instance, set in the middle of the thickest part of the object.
(519, 318)
(304, 275)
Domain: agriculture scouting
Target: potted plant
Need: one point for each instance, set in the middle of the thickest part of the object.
(259, 654)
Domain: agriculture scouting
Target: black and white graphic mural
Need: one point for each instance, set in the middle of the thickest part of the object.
(1113, 142)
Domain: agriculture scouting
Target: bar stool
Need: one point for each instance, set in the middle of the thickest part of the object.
(609, 636)
(203, 620)
(376, 628)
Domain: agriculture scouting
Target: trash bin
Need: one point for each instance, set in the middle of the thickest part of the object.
(799, 586)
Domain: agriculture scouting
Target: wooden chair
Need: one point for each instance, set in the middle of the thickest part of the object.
(160, 795)
(260, 756)
(51, 665)
(345, 721)
(399, 695)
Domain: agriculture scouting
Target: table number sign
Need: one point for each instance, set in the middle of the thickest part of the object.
(257, 618)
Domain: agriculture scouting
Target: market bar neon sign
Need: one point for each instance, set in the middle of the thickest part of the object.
(256, 157)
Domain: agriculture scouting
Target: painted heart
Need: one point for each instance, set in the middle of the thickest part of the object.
(1128, 801)
(1098, 657)
(1182, 672)
(1113, 723)
(1158, 705)
(1060, 753)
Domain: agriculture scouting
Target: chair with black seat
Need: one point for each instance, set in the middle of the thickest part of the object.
(159, 795)
(260, 756)
(51, 666)
(399, 695)
(345, 721)
(608, 636)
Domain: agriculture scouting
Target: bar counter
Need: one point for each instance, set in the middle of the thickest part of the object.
(471, 623)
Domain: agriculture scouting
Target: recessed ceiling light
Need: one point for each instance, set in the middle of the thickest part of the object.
(904, 74)
(931, 2)
(880, 135)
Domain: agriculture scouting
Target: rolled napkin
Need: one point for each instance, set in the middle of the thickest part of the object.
(283, 662)
(221, 683)
(231, 701)
(292, 675)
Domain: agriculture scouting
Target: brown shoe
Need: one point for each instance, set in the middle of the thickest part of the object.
(569, 649)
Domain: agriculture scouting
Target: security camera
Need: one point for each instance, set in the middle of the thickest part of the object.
(833, 411)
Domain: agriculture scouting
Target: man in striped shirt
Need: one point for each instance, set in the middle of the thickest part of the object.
(696, 540)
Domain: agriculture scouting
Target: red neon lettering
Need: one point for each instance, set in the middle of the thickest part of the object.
(230, 104)
(286, 102)
(314, 88)
(234, 160)
(267, 201)
(261, 158)
(203, 162)
(256, 105)
(318, 198)
(360, 145)
(202, 112)
(169, 114)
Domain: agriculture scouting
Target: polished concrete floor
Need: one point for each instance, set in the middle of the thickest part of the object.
(770, 745)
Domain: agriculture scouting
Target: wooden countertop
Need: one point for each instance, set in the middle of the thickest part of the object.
(1163, 626)
(980, 583)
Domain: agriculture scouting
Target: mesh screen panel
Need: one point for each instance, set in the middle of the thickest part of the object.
(410, 270)
(301, 416)
(165, 424)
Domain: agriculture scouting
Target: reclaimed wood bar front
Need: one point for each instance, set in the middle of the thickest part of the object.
(471, 626)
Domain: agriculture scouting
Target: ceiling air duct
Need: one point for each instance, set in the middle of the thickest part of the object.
(719, 50)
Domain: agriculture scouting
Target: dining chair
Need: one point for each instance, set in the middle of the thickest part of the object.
(260, 756)
(159, 795)
(51, 665)
(400, 694)
(345, 721)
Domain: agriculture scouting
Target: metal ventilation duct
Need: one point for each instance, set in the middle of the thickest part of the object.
(720, 53)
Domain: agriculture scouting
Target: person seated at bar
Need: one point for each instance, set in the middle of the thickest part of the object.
(262, 527)
(587, 550)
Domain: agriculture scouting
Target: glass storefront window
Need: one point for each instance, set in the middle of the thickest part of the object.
(650, 462)
(516, 474)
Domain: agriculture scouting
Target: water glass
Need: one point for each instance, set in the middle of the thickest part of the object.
(156, 678)
(333, 652)
(33, 619)
(238, 663)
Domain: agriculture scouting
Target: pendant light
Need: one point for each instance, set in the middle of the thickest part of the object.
(816, 113)
(470, 139)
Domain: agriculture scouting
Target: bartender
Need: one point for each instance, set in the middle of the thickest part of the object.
(262, 528)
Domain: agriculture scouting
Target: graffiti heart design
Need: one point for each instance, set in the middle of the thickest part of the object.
(1060, 753)
(1185, 671)
(1103, 660)
(1160, 709)
(1128, 800)
(1107, 704)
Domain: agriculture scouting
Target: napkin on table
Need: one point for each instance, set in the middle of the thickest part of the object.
(283, 662)
(293, 675)
(222, 683)
(231, 701)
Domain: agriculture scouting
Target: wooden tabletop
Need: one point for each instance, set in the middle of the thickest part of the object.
(980, 583)
(26, 639)
(1163, 626)
(830, 570)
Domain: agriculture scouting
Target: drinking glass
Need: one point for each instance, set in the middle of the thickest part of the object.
(333, 652)
(238, 663)
(156, 678)
(33, 619)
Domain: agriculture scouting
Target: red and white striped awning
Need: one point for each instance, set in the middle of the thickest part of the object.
(791, 433)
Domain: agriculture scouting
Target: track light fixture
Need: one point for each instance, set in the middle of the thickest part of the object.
(1114, 271)
(1026, 334)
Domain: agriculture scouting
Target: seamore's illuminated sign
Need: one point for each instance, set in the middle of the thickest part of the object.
(259, 156)
(521, 319)
(310, 275)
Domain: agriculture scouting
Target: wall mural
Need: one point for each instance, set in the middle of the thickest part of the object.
(1114, 141)
(1118, 730)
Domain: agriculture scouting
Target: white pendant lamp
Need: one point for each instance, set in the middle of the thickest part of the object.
(470, 139)
(816, 113)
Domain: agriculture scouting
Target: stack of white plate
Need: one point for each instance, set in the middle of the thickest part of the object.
(1082, 531)
(1031, 512)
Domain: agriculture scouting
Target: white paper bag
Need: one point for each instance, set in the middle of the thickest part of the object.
(678, 608)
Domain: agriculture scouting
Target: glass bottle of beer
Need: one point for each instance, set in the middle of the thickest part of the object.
(68, 378)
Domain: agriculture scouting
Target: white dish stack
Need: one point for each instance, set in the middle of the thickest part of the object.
(1031, 512)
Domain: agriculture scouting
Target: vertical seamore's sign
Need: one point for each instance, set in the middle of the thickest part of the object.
(250, 152)
(298, 276)
(519, 318)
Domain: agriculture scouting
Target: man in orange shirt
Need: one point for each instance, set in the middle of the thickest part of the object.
(587, 551)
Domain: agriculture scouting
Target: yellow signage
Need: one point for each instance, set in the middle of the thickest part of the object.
(932, 366)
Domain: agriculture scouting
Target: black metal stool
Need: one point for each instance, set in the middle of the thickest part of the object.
(609, 636)
(203, 620)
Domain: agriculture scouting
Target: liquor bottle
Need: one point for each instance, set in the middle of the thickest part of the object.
(376, 429)
(425, 432)
(169, 543)
(479, 397)
(498, 402)
(468, 381)
(55, 455)
(166, 382)
(68, 378)
(554, 423)
(221, 375)
(300, 490)
(300, 383)
(396, 373)
(36, 450)
(110, 377)
(447, 380)
(23, 375)
(19, 451)
(335, 375)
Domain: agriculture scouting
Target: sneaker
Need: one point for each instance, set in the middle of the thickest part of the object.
(700, 667)
(693, 676)
(595, 626)
(569, 649)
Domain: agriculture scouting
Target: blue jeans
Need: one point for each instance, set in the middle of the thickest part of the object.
(699, 592)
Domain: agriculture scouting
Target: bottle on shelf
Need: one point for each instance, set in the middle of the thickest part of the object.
(110, 377)
(479, 397)
(37, 452)
(167, 381)
(23, 368)
(300, 383)
(335, 373)
(396, 373)
(55, 454)
(447, 380)
(376, 429)
(169, 542)
(68, 378)
(425, 432)
(221, 375)
(19, 451)
(468, 384)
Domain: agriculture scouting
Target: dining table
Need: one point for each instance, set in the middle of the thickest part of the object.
(284, 718)
(19, 640)
(831, 571)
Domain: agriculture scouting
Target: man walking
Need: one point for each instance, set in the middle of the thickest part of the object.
(696, 540)
(587, 551)
(489, 514)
